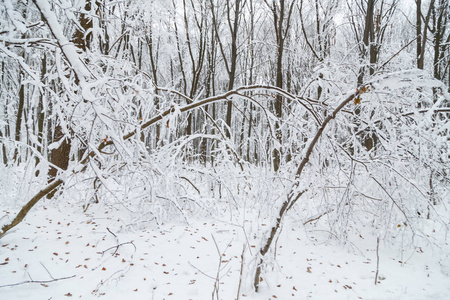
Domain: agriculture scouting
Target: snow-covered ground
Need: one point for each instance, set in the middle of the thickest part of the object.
(59, 252)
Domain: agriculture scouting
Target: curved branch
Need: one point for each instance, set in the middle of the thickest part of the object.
(294, 194)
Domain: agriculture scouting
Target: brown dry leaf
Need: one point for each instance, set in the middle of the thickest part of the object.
(103, 269)
(7, 259)
(44, 285)
(308, 269)
(68, 295)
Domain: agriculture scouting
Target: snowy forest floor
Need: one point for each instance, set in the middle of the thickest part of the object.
(94, 255)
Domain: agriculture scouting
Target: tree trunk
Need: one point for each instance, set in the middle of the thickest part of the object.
(19, 118)
(40, 115)
(59, 156)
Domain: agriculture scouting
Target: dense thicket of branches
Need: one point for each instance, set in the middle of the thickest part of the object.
(162, 105)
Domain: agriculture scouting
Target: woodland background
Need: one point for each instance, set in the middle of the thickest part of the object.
(333, 112)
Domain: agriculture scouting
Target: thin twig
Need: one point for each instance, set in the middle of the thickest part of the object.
(198, 191)
(201, 271)
(47, 270)
(241, 272)
(37, 281)
(117, 247)
(317, 217)
(378, 260)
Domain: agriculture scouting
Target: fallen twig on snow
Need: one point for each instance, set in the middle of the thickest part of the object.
(36, 281)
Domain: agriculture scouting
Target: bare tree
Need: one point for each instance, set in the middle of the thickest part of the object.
(422, 31)
(282, 13)
(233, 11)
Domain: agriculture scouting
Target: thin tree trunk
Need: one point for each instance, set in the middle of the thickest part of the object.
(294, 194)
(40, 115)
(19, 118)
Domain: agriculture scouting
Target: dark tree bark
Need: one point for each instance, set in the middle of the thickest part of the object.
(40, 115)
(19, 118)
(281, 20)
(79, 39)
(368, 33)
(375, 25)
(59, 156)
(230, 60)
(422, 33)
(441, 40)
(5, 134)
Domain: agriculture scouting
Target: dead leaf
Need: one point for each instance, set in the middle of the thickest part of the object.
(68, 295)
